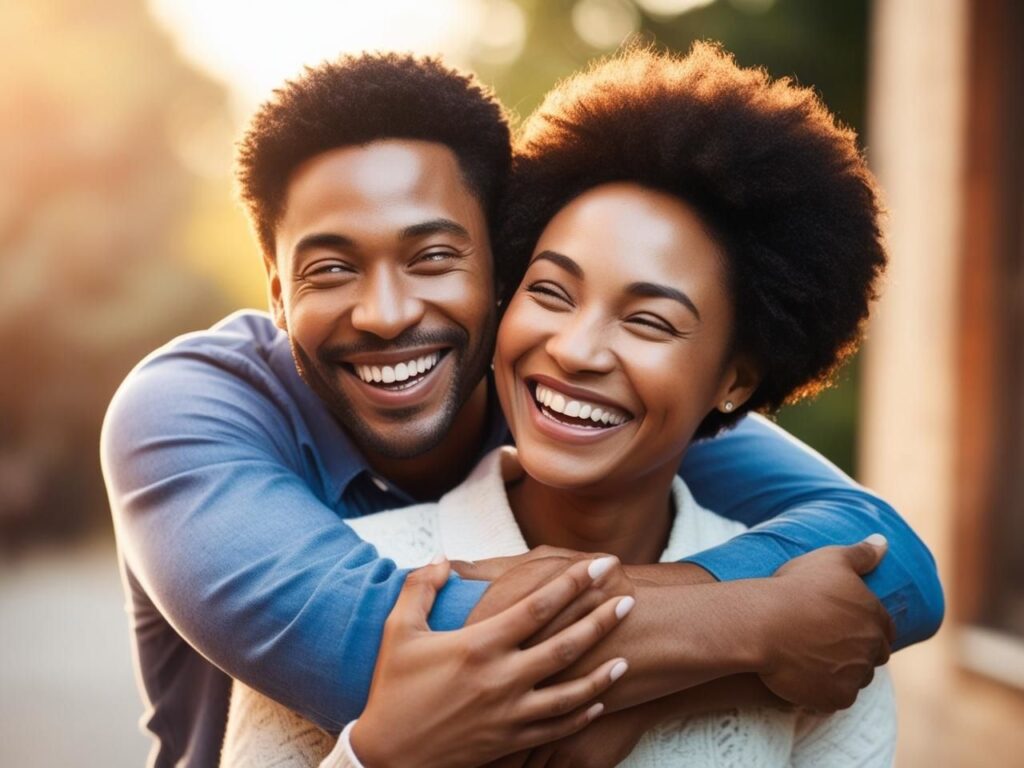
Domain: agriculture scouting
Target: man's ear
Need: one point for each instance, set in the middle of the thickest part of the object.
(274, 293)
(741, 379)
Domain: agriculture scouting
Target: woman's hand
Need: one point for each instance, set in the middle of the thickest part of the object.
(466, 697)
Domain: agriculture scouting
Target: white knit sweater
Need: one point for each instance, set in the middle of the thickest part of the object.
(473, 522)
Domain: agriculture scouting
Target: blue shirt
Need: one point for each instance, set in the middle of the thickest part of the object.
(229, 483)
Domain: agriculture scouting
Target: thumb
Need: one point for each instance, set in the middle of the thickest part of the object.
(418, 594)
(864, 556)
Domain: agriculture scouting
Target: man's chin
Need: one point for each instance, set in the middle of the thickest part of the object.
(406, 439)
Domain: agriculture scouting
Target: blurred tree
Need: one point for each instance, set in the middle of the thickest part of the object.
(823, 45)
(96, 201)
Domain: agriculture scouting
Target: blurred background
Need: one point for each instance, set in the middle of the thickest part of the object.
(119, 230)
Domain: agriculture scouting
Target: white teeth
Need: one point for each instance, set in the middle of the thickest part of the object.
(388, 374)
(577, 408)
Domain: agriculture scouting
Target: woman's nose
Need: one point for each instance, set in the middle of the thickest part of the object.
(581, 345)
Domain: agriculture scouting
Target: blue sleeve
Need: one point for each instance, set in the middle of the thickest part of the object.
(236, 551)
(796, 501)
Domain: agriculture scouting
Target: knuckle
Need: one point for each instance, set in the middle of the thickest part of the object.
(540, 608)
(564, 651)
(561, 706)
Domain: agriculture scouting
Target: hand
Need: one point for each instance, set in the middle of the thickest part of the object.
(463, 698)
(515, 577)
(826, 630)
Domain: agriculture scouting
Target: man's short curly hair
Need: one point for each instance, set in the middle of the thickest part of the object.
(358, 99)
(779, 184)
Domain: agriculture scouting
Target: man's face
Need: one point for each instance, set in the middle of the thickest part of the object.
(383, 281)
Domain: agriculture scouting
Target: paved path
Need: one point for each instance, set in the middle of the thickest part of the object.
(67, 691)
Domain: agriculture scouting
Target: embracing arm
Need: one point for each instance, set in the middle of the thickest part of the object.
(797, 502)
(235, 549)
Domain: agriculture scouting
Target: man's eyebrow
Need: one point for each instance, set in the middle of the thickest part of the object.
(655, 291)
(561, 260)
(433, 227)
(322, 240)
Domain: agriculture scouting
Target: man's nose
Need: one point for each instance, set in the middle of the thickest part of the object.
(385, 306)
(581, 345)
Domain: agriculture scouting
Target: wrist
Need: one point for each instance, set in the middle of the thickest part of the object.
(366, 748)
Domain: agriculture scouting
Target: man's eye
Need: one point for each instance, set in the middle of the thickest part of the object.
(436, 261)
(326, 273)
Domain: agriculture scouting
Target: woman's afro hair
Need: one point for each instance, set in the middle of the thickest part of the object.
(782, 187)
(359, 99)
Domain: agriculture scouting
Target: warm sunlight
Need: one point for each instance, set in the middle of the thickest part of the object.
(253, 46)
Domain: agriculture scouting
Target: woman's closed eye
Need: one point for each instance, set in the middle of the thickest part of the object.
(654, 326)
(549, 294)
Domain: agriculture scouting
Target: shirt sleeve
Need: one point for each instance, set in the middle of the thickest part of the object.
(234, 548)
(796, 501)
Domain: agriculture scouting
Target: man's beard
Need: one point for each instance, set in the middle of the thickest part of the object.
(469, 365)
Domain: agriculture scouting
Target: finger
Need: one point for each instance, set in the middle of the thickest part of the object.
(417, 596)
(546, 731)
(485, 570)
(576, 610)
(865, 556)
(562, 698)
(526, 617)
(555, 654)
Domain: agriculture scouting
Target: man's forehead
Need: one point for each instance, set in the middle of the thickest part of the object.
(378, 189)
(384, 169)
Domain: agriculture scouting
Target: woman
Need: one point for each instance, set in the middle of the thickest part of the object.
(690, 241)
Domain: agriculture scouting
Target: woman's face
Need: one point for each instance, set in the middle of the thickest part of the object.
(616, 344)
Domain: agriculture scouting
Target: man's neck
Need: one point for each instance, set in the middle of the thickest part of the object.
(631, 523)
(444, 466)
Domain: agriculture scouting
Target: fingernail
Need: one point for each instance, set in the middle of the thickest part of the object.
(618, 670)
(624, 606)
(599, 567)
(595, 710)
(438, 558)
(876, 540)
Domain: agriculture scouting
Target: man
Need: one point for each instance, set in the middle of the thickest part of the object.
(232, 456)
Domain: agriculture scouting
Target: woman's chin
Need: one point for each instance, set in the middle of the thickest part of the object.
(557, 469)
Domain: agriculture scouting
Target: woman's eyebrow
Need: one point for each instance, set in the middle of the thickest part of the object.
(655, 291)
(561, 260)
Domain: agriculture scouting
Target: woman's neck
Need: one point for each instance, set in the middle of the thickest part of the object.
(631, 523)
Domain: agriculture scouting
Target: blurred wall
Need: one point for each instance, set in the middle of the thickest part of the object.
(914, 449)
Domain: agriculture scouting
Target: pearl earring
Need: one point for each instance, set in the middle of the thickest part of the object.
(728, 406)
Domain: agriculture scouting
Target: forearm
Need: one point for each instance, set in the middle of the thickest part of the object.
(236, 552)
(678, 637)
(759, 475)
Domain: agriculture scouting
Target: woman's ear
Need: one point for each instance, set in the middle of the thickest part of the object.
(274, 294)
(742, 377)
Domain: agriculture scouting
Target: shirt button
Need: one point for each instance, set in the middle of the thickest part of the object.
(379, 483)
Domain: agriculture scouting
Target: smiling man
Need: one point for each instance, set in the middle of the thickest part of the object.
(233, 456)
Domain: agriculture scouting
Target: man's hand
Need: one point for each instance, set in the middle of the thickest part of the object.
(825, 630)
(465, 697)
